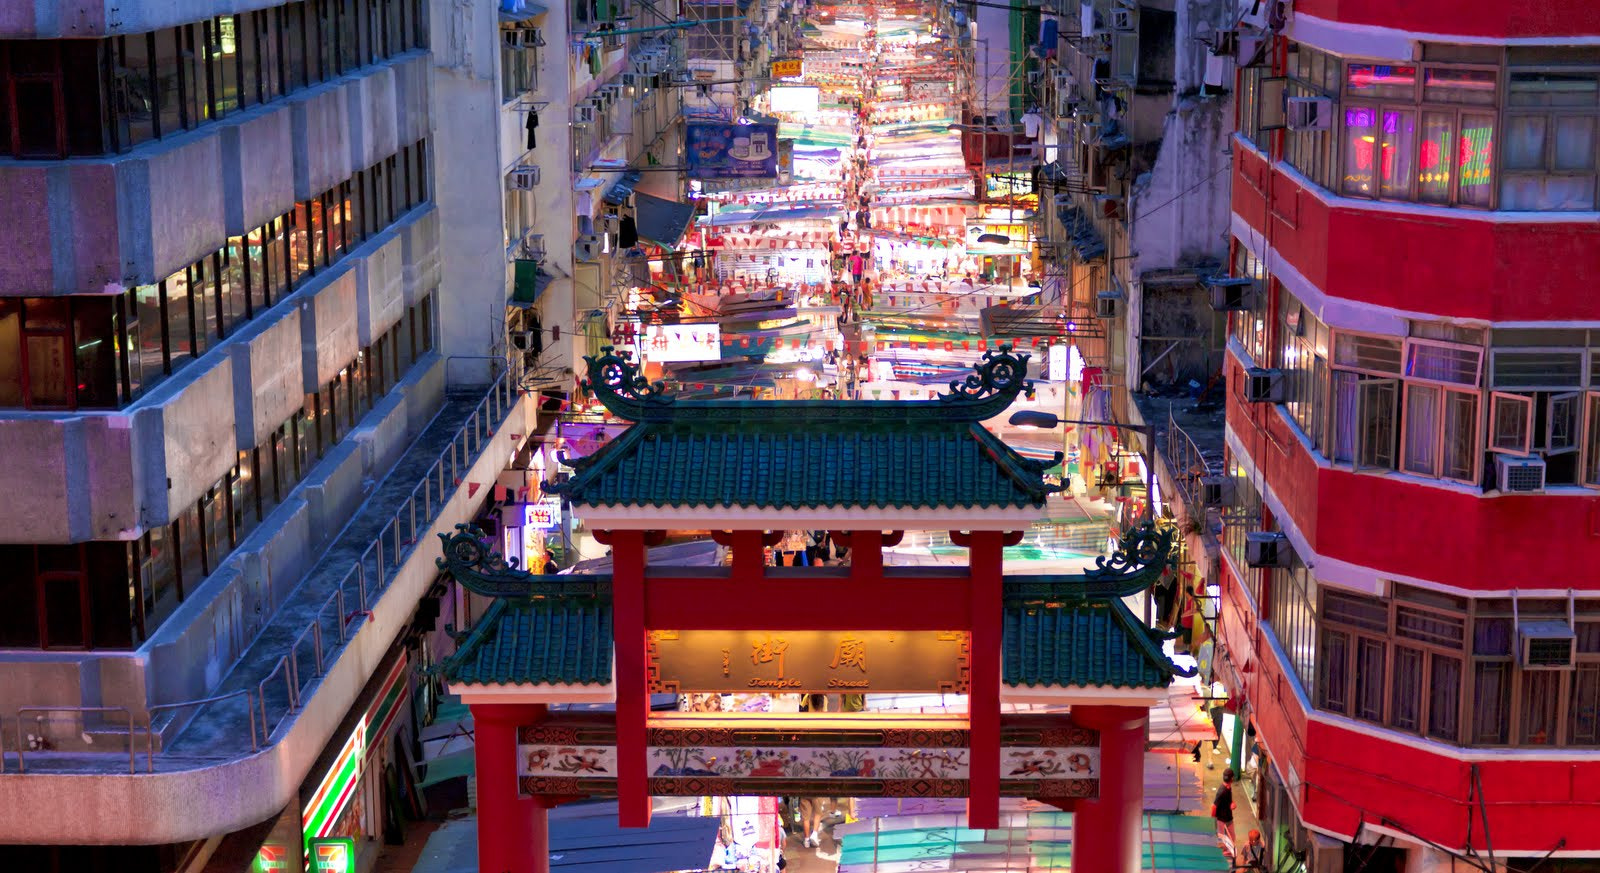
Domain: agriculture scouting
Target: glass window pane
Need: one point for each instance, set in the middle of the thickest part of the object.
(1524, 142)
(224, 64)
(1382, 80)
(167, 76)
(1554, 89)
(95, 351)
(1444, 697)
(136, 90)
(1405, 699)
(1452, 85)
(47, 365)
(1584, 706)
(1476, 160)
(1360, 150)
(300, 242)
(1399, 151)
(1422, 428)
(1369, 679)
(272, 62)
(1541, 699)
(1437, 156)
(249, 58)
(10, 353)
(1574, 142)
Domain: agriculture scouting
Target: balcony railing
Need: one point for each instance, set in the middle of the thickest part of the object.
(262, 709)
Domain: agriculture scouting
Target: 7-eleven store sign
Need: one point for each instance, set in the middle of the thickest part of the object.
(324, 815)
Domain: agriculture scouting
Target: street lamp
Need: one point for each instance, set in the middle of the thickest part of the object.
(1034, 419)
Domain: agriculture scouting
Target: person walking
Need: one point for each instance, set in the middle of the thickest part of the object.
(858, 266)
(1222, 807)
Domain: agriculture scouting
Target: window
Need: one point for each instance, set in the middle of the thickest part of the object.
(1426, 143)
(1304, 360)
(97, 96)
(519, 63)
(1550, 140)
(1250, 326)
(1398, 663)
(1510, 423)
(1591, 440)
(103, 351)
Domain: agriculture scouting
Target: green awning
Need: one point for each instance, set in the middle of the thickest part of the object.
(528, 283)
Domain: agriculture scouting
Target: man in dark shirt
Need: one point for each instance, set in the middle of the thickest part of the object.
(1222, 810)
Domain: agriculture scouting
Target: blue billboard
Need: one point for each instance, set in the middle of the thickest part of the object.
(732, 151)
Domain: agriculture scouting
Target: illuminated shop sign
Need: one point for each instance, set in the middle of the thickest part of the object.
(809, 661)
(544, 514)
(680, 343)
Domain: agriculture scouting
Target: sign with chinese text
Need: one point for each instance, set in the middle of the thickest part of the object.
(786, 68)
(819, 662)
(680, 343)
(731, 151)
(698, 754)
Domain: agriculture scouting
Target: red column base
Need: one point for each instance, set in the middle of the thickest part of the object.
(1107, 831)
(513, 831)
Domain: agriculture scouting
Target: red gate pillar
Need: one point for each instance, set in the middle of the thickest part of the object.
(985, 559)
(633, 680)
(1106, 831)
(513, 831)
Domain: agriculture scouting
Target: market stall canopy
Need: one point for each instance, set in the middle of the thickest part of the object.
(853, 464)
(661, 221)
(528, 282)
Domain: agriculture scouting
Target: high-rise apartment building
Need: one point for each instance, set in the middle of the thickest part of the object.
(1410, 611)
(243, 381)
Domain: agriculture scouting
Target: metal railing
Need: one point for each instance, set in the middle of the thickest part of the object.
(1189, 466)
(338, 617)
(270, 702)
(22, 741)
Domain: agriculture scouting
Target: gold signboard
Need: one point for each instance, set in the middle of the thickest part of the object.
(808, 662)
(785, 69)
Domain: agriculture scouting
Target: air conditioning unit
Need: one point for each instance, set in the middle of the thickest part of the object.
(525, 177)
(1263, 385)
(1520, 475)
(522, 340)
(1231, 293)
(588, 247)
(1216, 491)
(1267, 549)
(1105, 304)
(1546, 645)
(583, 113)
(1308, 113)
(633, 80)
(1122, 19)
(610, 223)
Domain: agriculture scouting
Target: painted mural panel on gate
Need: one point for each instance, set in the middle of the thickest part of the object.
(1047, 758)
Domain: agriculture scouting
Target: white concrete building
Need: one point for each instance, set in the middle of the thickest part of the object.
(252, 358)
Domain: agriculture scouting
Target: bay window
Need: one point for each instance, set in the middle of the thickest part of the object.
(1413, 133)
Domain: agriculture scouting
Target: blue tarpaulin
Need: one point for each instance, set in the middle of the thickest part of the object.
(585, 836)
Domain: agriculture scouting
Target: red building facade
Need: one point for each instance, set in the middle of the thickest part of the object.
(1410, 609)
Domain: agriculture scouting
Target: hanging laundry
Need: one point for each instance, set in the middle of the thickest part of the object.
(532, 125)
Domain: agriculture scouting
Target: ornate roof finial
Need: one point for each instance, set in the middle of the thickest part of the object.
(614, 378)
(994, 383)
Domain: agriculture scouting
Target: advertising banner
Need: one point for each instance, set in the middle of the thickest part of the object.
(732, 151)
(809, 661)
(786, 68)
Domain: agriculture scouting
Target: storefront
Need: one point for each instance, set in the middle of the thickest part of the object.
(360, 790)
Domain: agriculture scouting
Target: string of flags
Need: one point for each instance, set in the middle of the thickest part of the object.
(865, 346)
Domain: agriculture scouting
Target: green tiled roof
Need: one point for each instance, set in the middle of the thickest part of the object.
(1082, 644)
(809, 453)
(557, 641)
(794, 461)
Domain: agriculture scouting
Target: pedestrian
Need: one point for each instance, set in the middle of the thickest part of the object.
(550, 561)
(1253, 855)
(857, 267)
(1222, 807)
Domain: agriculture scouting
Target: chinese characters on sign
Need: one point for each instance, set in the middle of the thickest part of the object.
(681, 343)
(809, 661)
(786, 68)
